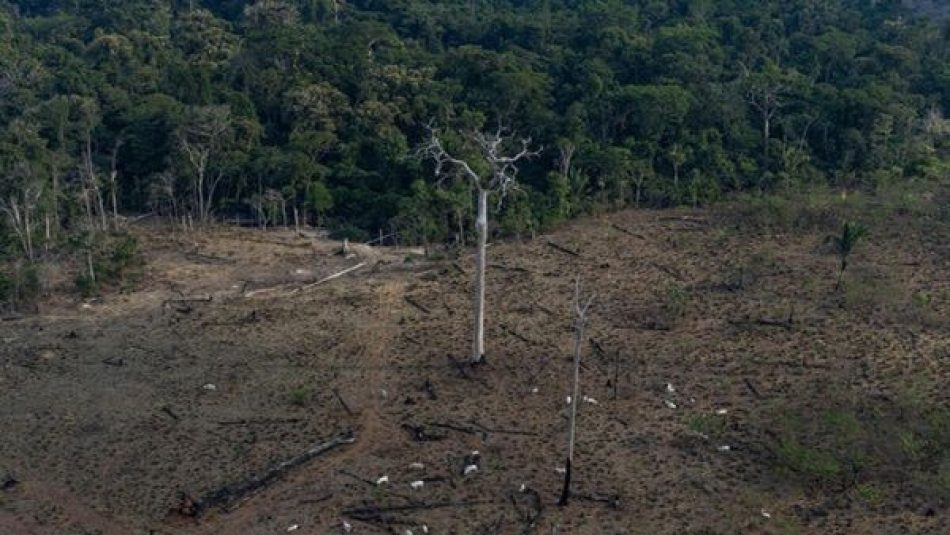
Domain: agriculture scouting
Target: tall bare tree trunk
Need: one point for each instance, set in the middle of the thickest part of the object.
(201, 192)
(92, 271)
(49, 236)
(481, 225)
(28, 225)
(90, 221)
(580, 319)
(54, 178)
(115, 203)
(114, 184)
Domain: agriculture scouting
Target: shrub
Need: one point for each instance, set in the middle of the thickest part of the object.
(19, 286)
(298, 396)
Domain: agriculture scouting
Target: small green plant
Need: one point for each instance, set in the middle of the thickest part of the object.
(870, 493)
(844, 244)
(298, 396)
(809, 463)
(676, 300)
(712, 425)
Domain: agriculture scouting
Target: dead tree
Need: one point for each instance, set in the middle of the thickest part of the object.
(92, 183)
(764, 92)
(200, 141)
(114, 183)
(20, 214)
(499, 179)
(580, 319)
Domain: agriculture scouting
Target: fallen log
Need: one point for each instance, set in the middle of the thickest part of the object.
(418, 305)
(562, 249)
(329, 278)
(230, 497)
(751, 387)
(261, 421)
(188, 300)
(304, 288)
(627, 232)
(517, 335)
(343, 402)
(765, 322)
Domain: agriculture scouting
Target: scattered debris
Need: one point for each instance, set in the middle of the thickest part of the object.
(669, 404)
(210, 387)
(669, 388)
(382, 480)
(590, 400)
(560, 470)
(294, 527)
(429, 389)
(765, 514)
(417, 466)
(420, 433)
(347, 527)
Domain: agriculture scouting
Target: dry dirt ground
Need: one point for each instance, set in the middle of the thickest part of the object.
(721, 359)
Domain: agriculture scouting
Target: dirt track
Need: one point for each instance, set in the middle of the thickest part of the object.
(107, 418)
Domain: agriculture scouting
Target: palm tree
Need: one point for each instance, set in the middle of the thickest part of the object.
(851, 234)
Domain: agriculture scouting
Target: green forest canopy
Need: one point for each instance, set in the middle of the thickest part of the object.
(252, 109)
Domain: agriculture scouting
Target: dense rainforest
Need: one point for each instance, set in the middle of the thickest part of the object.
(257, 110)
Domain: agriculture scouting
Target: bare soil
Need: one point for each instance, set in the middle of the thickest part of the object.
(111, 411)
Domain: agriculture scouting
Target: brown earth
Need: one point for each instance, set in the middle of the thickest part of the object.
(107, 419)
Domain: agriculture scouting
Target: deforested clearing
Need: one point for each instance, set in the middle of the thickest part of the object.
(727, 386)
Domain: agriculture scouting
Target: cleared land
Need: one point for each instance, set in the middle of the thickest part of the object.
(797, 409)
